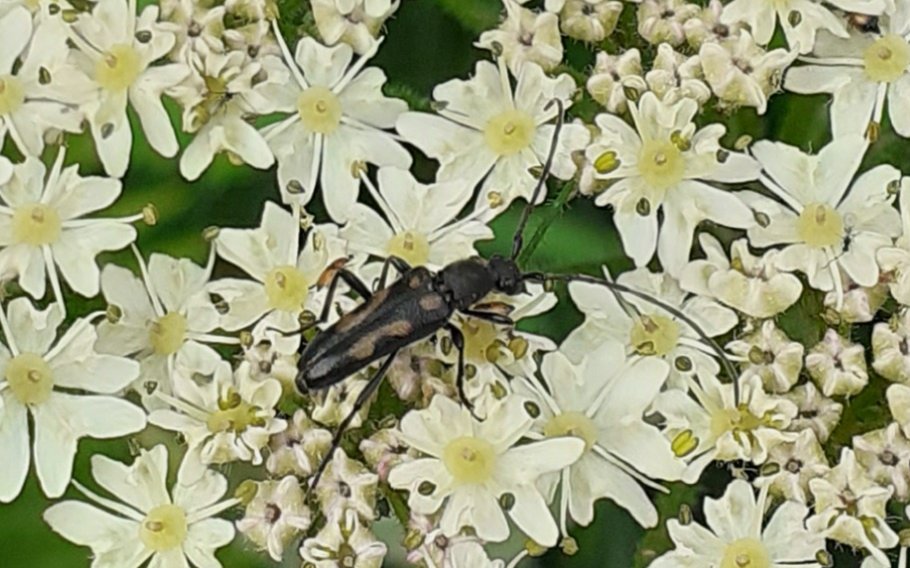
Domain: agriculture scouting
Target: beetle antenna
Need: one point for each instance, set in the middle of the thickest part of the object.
(675, 312)
(518, 239)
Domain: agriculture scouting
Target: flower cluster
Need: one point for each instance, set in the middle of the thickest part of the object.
(766, 313)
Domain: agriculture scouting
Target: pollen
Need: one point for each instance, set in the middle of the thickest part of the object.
(410, 246)
(164, 528)
(118, 68)
(746, 553)
(30, 378)
(819, 225)
(36, 224)
(654, 335)
(319, 110)
(469, 460)
(509, 132)
(661, 164)
(286, 288)
(887, 59)
(233, 415)
(168, 333)
(572, 424)
(12, 94)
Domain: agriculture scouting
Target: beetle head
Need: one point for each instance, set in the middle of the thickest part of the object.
(506, 275)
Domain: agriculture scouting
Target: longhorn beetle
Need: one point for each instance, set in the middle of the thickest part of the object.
(420, 303)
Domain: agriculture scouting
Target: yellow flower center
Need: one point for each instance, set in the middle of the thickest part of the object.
(469, 460)
(30, 378)
(412, 247)
(164, 528)
(12, 94)
(661, 164)
(480, 345)
(654, 335)
(286, 288)
(36, 224)
(887, 59)
(509, 132)
(168, 333)
(319, 110)
(746, 553)
(118, 68)
(820, 225)
(739, 419)
(233, 415)
(572, 424)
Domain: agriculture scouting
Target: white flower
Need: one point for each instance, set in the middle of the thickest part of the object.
(662, 21)
(420, 223)
(354, 22)
(826, 224)
(525, 36)
(885, 456)
(738, 536)
(761, 17)
(707, 27)
(117, 50)
(173, 528)
(198, 29)
(674, 76)
(338, 122)
(43, 229)
(850, 508)
(612, 76)
(791, 465)
(217, 99)
(646, 329)
(344, 541)
(859, 304)
(299, 448)
(276, 515)
(769, 353)
(837, 366)
(896, 259)
(662, 165)
(472, 465)
(589, 20)
(283, 275)
(489, 131)
(347, 486)
(709, 425)
(165, 319)
(224, 416)
(815, 411)
(38, 375)
(603, 401)
(891, 348)
(747, 283)
(899, 404)
(44, 92)
(862, 71)
(741, 73)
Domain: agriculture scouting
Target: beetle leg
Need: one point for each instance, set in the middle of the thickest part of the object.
(458, 342)
(489, 316)
(362, 398)
(351, 280)
(400, 265)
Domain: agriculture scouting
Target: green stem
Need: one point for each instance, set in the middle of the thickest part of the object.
(554, 210)
(398, 505)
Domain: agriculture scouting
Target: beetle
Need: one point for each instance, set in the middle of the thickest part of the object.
(420, 303)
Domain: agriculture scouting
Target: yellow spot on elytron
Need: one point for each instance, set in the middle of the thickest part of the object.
(820, 225)
(572, 424)
(746, 553)
(12, 94)
(168, 333)
(286, 288)
(164, 528)
(36, 224)
(469, 459)
(479, 340)
(319, 110)
(509, 132)
(30, 378)
(661, 164)
(118, 68)
(233, 415)
(887, 59)
(412, 247)
(654, 335)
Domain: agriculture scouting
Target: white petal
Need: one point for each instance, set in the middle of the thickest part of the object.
(14, 447)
